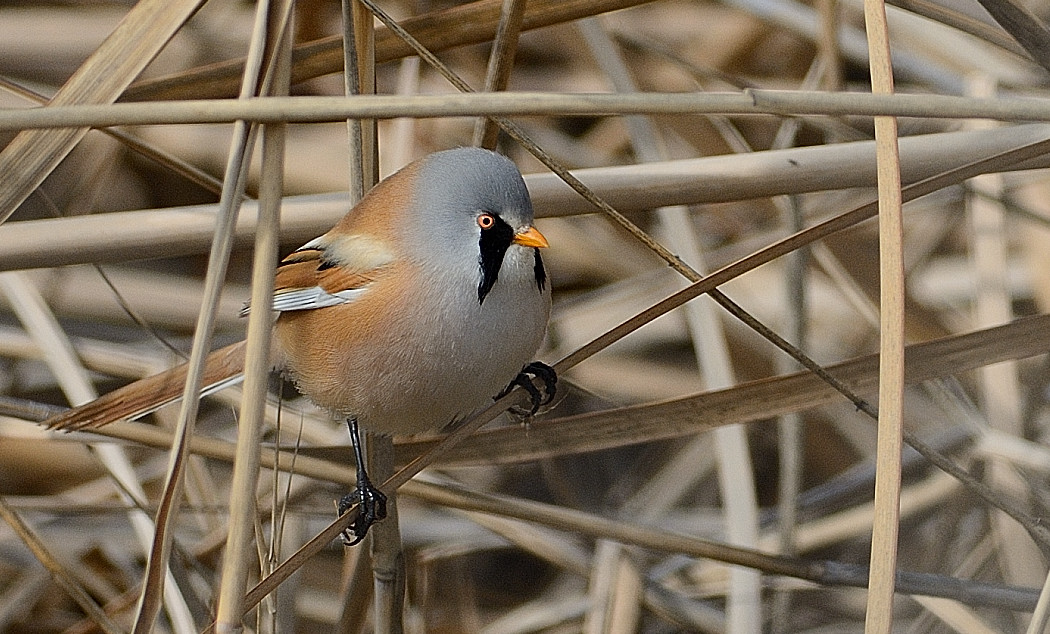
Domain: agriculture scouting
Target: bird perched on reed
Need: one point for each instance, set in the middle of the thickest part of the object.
(423, 302)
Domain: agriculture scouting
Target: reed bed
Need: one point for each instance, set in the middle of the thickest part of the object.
(799, 254)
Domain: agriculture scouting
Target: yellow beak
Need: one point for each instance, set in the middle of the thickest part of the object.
(531, 238)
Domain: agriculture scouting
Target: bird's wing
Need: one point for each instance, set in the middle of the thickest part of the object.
(330, 270)
(327, 271)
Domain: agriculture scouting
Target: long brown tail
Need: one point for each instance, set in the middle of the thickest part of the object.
(150, 394)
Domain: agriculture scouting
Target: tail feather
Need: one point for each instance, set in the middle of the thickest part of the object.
(223, 367)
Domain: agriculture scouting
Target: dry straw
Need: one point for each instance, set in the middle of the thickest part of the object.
(662, 140)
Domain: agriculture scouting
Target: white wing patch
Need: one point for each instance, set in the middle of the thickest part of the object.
(308, 299)
(313, 297)
(327, 271)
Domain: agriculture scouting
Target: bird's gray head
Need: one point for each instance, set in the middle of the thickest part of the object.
(471, 204)
(465, 180)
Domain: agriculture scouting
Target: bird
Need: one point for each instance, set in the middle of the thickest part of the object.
(429, 298)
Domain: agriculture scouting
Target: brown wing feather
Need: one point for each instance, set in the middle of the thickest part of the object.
(301, 255)
(323, 267)
(338, 279)
(146, 395)
(296, 274)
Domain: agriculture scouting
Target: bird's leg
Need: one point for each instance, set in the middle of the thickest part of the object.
(524, 380)
(370, 500)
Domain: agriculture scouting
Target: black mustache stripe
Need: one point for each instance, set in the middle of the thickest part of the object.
(492, 247)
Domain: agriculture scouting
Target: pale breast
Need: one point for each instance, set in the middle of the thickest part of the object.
(401, 369)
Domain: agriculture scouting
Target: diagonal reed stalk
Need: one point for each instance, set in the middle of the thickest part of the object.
(143, 32)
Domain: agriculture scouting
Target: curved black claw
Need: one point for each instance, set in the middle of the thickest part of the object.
(541, 371)
(371, 507)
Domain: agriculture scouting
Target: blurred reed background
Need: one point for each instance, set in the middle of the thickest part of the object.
(683, 445)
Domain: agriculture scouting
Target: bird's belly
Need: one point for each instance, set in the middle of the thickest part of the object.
(448, 380)
(411, 380)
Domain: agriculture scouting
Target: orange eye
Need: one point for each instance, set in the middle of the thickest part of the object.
(486, 221)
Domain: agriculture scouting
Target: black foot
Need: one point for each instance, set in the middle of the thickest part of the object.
(371, 508)
(370, 500)
(524, 380)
